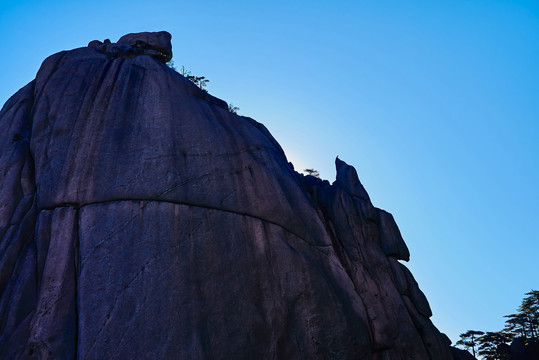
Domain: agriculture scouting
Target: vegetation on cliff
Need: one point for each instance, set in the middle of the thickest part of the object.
(521, 329)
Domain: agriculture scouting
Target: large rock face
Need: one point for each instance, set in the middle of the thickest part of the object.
(141, 219)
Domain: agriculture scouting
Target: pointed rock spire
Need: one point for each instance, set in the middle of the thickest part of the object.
(348, 180)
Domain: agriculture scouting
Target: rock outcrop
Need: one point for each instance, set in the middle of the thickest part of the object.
(141, 219)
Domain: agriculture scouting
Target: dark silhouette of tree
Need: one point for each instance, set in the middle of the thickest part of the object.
(516, 325)
(171, 65)
(312, 172)
(183, 71)
(521, 330)
(489, 345)
(468, 340)
(199, 81)
(525, 323)
(530, 307)
(233, 109)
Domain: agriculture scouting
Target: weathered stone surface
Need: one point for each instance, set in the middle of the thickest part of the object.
(154, 44)
(94, 43)
(416, 295)
(217, 283)
(459, 354)
(348, 180)
(54, 324)
(159, 41)
(391, 240)
(141, 219)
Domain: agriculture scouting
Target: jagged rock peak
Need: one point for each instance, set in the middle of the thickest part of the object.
(348, 180)
(155, 44)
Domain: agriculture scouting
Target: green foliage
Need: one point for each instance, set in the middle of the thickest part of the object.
(199, 81)
(522, 324)
(312, 172)
(184, 72)
(171, 65)
(233, 109)
(489, 345)
(468, 340)
(525, 322)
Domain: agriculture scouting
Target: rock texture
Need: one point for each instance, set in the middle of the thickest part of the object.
(141, 219)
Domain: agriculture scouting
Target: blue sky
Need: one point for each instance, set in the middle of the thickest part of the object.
(435, 103)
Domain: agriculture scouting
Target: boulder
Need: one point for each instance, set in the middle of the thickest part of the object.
(158, 41)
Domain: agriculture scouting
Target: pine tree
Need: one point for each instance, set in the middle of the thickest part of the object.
(468, 340)
(525, 323)
(489, 345)
(312, 172)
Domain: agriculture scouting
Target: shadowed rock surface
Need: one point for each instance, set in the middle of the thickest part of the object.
(141, 219)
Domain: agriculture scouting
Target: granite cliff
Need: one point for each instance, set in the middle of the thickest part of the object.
(139, 218)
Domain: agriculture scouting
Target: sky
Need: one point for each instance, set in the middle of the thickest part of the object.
(435, 103)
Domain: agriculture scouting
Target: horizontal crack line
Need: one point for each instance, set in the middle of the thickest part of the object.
(149, 201)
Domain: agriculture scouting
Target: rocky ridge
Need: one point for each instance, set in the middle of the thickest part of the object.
(141, 219)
